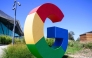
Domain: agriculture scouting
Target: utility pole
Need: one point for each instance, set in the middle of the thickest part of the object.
(15, 9)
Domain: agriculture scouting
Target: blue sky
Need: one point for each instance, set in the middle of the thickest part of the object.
(77, 13)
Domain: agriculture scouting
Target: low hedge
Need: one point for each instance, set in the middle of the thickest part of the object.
(4, 39)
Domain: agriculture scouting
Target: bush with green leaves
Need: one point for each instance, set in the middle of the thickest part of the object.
(19, 40)
(50, 41)
(17, 51)
(88, 45)
(4, 39)
(71, 43)
(73, 47)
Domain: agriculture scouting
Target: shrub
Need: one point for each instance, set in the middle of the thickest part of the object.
(20, 50)
(73, 47)
(19, 40)
(17, 51)
(8, 40)
(4, 39)
(71, 43)
(23, 40)
(88, 45)
(50, 41)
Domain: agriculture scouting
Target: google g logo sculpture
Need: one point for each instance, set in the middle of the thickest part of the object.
(34, 34)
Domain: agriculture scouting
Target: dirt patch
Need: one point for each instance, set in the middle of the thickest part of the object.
(85, 53)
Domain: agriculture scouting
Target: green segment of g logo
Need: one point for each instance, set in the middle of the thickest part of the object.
(34, 36)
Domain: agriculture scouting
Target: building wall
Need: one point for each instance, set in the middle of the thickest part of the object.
(86, 37)
(89, 36)
(5, 31)
(83, 37)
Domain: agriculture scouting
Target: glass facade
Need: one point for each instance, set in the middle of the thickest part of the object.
(4, 30)
(6, 25)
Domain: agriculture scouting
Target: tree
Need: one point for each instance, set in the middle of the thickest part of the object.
(70, 34)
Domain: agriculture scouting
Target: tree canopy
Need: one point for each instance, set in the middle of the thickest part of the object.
(70, 34)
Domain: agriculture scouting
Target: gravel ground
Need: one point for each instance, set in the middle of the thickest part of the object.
(85, 53)
(2, 47)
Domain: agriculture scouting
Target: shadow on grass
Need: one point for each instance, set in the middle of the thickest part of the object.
(66, 56)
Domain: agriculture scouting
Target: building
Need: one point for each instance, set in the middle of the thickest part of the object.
(6, 25)
(86, 36)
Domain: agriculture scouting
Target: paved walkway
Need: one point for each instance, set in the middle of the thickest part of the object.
(1, 49)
